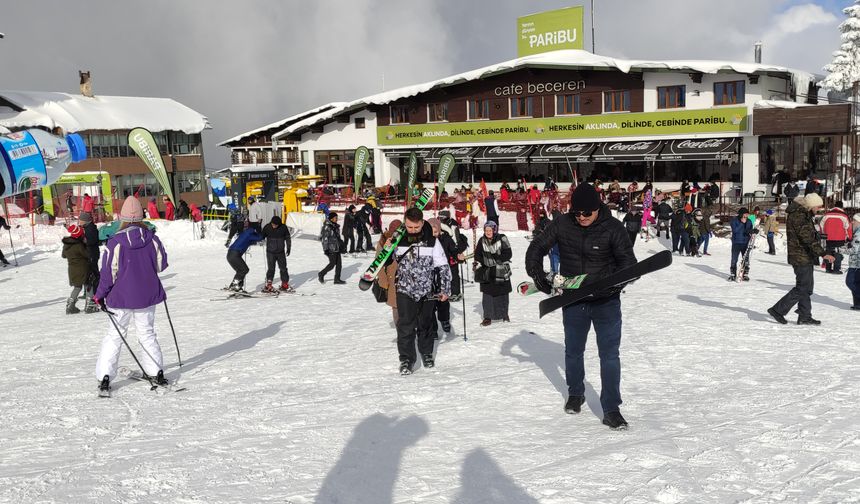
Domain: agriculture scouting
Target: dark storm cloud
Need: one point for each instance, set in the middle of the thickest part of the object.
(247, 63)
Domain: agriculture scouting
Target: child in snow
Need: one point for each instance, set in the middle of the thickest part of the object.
(852, 279)
(75, 252)
(129, 285)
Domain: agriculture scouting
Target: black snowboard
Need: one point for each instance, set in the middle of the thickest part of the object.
(656, 262)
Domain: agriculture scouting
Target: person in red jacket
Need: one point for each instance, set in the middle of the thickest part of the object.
(88, 204)
(152, 209)
(169, 210)
(836, 226)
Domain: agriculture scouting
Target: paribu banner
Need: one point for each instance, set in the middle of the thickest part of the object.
(446, 165)
(678, 122)
(410, 180)
(362, 156)
(141, 141)
(550, 31)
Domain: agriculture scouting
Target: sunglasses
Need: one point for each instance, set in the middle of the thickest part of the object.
(580, 213)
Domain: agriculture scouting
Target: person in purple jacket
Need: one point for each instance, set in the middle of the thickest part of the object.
(130, 287)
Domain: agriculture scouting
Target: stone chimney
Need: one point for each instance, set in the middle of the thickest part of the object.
(86, 84)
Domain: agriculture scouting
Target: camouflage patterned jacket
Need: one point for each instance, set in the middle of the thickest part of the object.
(804, 247)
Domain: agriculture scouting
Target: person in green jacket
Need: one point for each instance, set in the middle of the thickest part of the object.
(804, 249)
(75, 252)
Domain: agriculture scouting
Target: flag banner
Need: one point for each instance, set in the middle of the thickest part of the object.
(410, 180)
(141, 141)
(362, 156)
(446, 166)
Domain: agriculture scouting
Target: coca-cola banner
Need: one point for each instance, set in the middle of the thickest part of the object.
(504, 154)
(554, 153)
(700, 149)
(461, 154)
(644, 150)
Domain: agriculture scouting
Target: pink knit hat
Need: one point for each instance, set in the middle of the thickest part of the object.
(131, 210)
(436, 224)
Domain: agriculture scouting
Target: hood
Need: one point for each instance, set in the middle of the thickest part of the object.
(68, 241)
(795, 207)
(134, 236)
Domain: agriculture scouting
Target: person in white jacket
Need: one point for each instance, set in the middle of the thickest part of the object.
(255, 214)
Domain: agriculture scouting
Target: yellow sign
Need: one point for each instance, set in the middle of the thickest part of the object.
(550, 31)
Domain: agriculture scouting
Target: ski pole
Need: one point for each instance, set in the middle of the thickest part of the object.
(14, 255)
(463, 298)
(148, 378)
(175, 342)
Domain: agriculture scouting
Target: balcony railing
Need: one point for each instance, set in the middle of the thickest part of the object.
(264, 157)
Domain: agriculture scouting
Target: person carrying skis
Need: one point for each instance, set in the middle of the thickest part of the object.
(91, 238)
(493, 271)
(130, 287)
(332, 248)
(420, 259)
(4, 225)
(246, 238)
(804, 250)
(836, 227)
(349, 230)
(742, 231)
(75, 252)
(387, 273)
(591, 242)
(278, 246)
(852, 279)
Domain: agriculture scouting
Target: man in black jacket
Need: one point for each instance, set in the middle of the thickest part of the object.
(91, 238)
(590, 242)
(349, 230)
(362, 220)
(664, 216)
(277, 249)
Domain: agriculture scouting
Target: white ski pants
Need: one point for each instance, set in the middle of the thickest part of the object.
(144, 323)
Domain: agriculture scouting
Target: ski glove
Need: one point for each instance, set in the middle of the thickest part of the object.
(542, 283)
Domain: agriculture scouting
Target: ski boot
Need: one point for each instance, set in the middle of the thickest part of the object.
(159, 378)
(405, 368)
(71, 309)
(104, 387)
(285, 287)
(268, 289)
(235, 286)
(91, 307)
(428, 361)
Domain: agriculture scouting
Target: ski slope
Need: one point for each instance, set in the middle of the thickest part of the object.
(298, 399)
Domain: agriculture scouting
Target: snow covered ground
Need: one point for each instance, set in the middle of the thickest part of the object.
(298, 400)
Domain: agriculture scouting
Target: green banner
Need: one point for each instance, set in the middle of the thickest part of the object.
(362, 156)
(446, 165)
(141, 141)
(676, 122)
(410, 180)
(550, 31)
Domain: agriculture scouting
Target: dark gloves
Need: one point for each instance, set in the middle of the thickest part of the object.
(542, 282)
(755, 231)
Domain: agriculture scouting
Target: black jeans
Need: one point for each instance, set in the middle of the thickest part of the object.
(363, 237)
(281, 259)
(831, 250)
(800, 294)
(414, 320)
(234, 258)
(349, 240)
(333, 262)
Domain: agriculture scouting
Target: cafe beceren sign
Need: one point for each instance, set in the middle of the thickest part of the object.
(531, 88)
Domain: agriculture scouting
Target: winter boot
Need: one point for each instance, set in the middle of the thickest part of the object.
(159, 379)
(321, 278)
(285, 287)
(338, 281)
(268, 287)
(446, 326)
(486, 322)
(615, 421)
(405, 368)
(746, 278)
(428, 361)
(776, 316)
(70, 306)
(808, 321)
(574, 404)
(104, 387)
(91, 307)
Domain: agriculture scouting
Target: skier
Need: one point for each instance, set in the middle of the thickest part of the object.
(169, 209)
(852, 279)
(493, 271)
(836, 227)
(742, 231)
(349, 230)
(130, 286)
(591, 242)
(246, 238)
(804, 250)
(75, 252)
(91, 238)
(492, 207)
(664, 217)
(278, 246)
(771, 227)
(419, 256)
(255, 214)
(4, 225)
(633, 223)
(450, 228)
(236, 224)
(332, 248)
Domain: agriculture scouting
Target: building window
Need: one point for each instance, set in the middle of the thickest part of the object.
(189, 181)
(729, 93)
(183, 143)
(437, 112)
(522, 106)
(359, 123)
(567, 104)
(479, 109)
(399, 114)
(671, 97)
(616, 101)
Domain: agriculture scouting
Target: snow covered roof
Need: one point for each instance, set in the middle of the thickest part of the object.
(282, 123)
(783, 104)
(79, 113)
(566, 59)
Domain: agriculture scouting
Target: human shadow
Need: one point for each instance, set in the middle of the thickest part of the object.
(243, 342)
(4, 280)
(26, 258)
(752, 314)
(30, 306)
(298, 280)
(368, 466)
(483, 482)
(816, 298)
(168, 276)
(709, 270)
(349, 270)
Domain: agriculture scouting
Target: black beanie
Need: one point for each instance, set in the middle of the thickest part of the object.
(742, 211)
(585, 198)
(276, 220)
(331, 214)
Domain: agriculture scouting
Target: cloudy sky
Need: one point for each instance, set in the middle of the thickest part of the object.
(247, 63)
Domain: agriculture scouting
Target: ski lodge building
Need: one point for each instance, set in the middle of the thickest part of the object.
(572, 113)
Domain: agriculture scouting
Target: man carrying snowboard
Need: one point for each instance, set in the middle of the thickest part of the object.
(590, 242)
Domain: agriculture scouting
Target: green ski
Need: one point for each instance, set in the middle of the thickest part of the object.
(559, 284)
